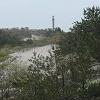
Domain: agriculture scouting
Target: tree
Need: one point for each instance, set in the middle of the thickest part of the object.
(81, 47)
(90, 28)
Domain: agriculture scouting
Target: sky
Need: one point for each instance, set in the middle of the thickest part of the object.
(37, 14)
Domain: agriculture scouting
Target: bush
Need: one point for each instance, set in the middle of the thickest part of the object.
(94, 90)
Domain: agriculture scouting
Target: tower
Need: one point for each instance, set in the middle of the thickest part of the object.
(53, 23)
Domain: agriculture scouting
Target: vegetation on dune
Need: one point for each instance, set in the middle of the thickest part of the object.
(14, 39)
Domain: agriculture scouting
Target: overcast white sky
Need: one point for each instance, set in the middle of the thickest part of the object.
(37, 13)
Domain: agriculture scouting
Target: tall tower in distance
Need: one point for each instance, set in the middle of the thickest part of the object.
(53, 23)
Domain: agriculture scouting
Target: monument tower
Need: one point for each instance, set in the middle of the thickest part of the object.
(53, 23)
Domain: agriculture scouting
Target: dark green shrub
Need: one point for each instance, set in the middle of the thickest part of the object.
(94, 90)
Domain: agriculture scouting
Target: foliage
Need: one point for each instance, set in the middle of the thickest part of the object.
(82, 45)
(94, 90)
(89, 27)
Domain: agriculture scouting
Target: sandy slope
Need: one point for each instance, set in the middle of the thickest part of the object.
(24, 55)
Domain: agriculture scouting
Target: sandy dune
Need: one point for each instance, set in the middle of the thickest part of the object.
(24, 55)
